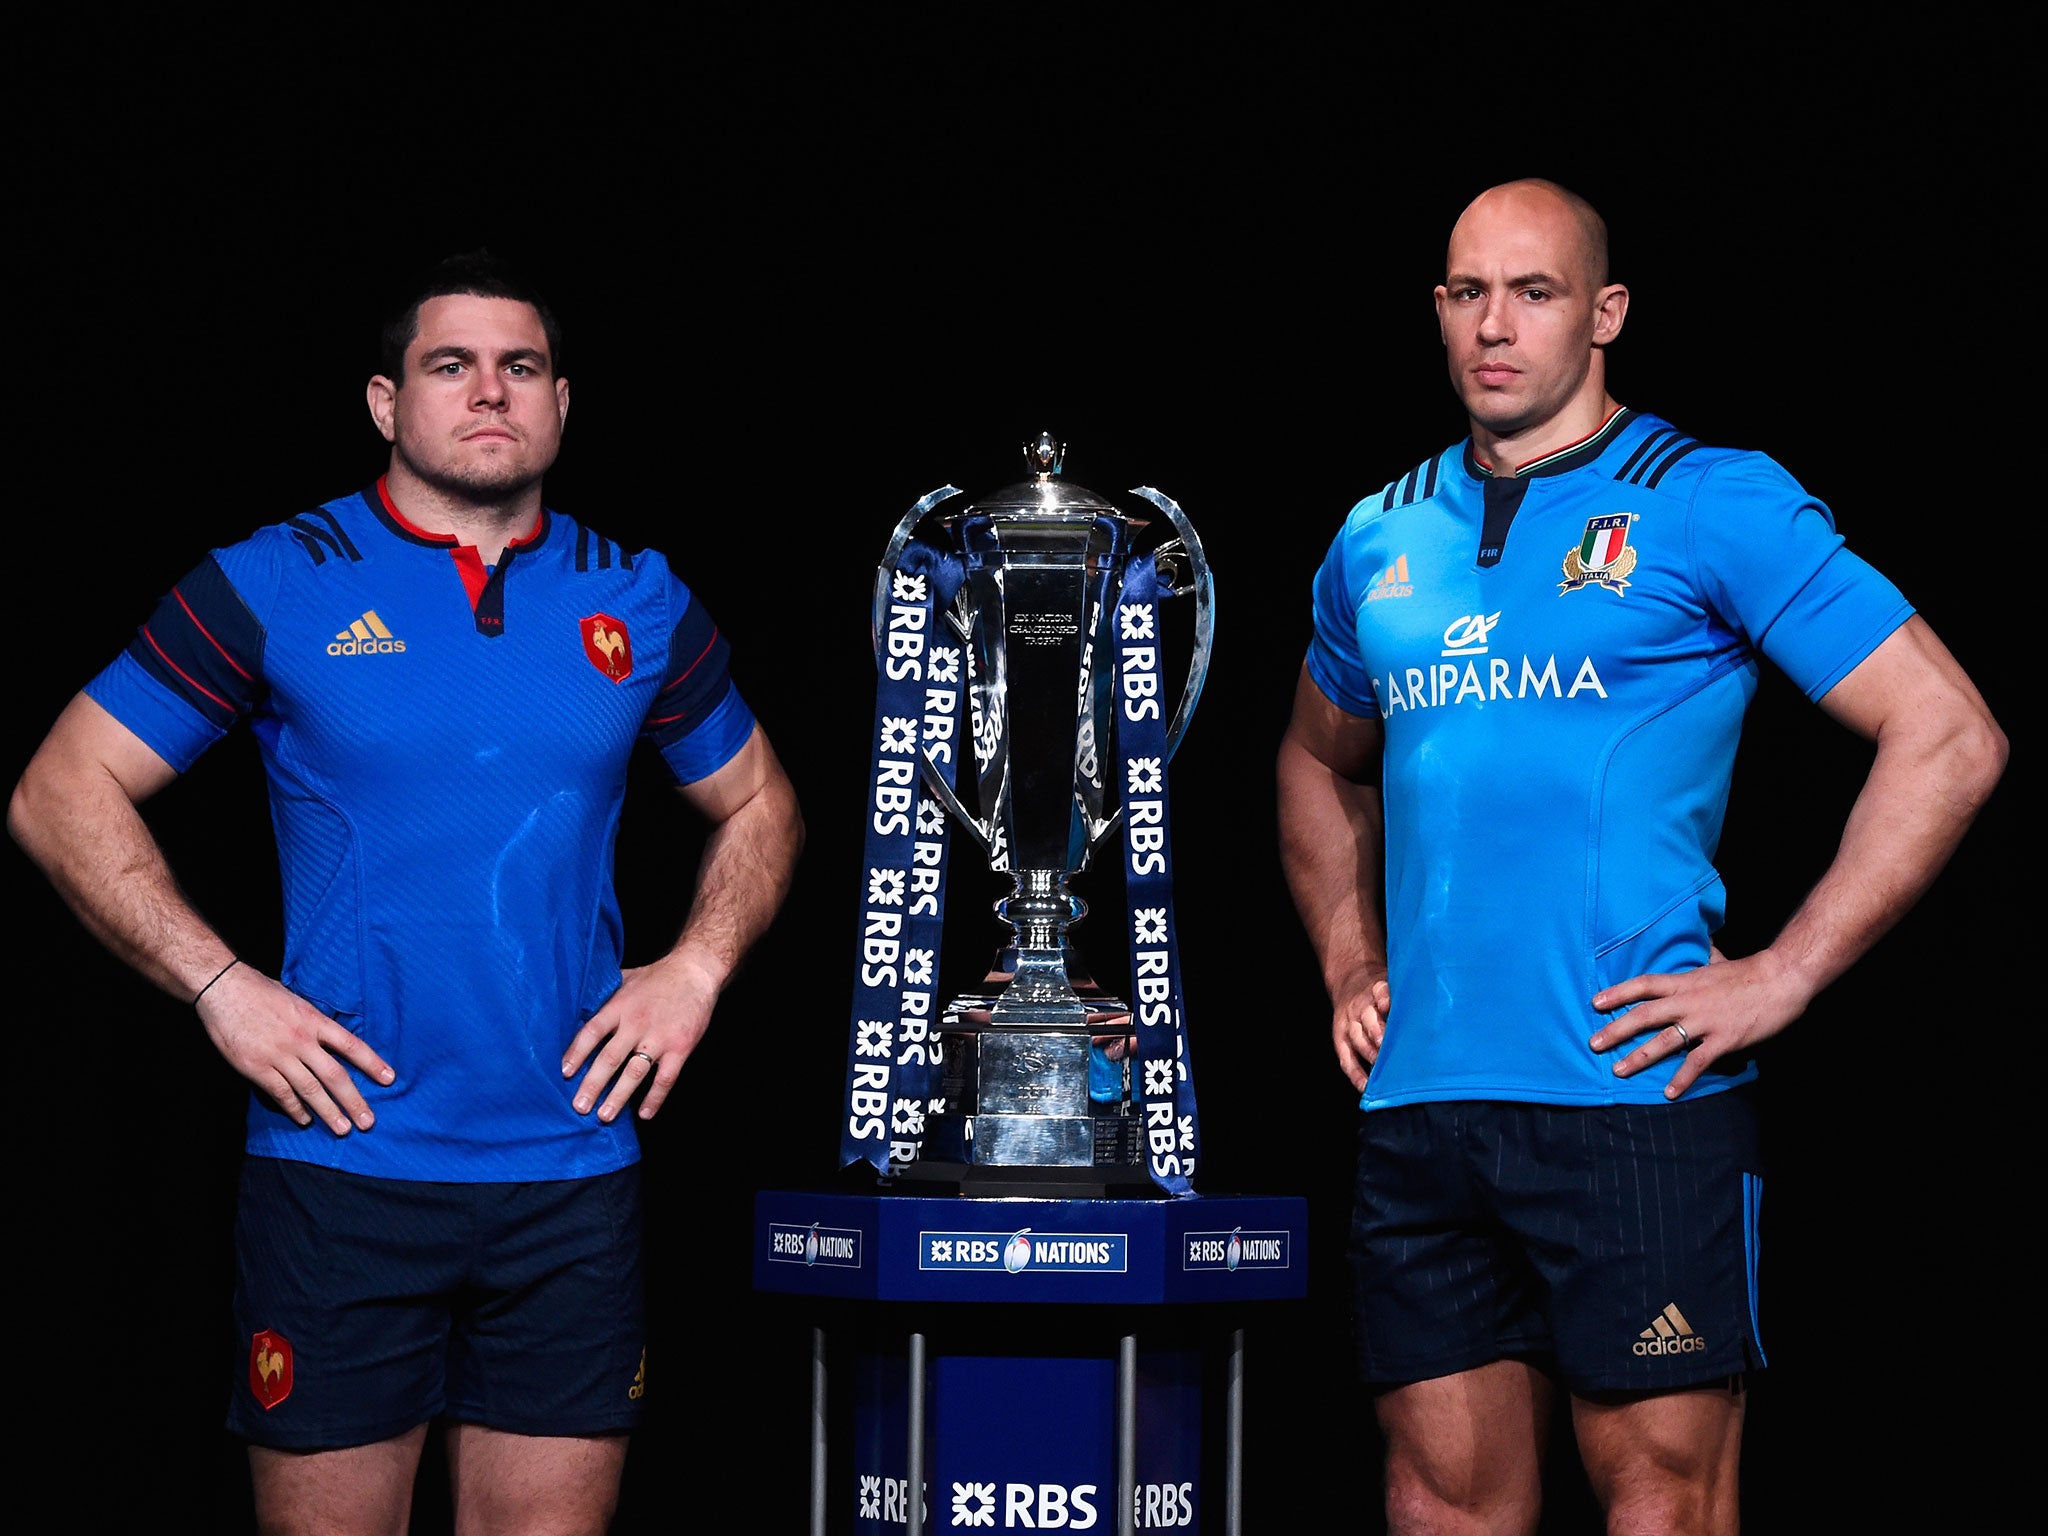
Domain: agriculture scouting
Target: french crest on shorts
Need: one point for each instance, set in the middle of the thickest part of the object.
(1604, 556)
(270, 1367)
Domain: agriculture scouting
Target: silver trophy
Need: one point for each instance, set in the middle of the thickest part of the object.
(1036, 1094)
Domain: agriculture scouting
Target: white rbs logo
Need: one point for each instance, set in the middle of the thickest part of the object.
(1024, 1506)
(1163, 1506)
(888, 1499)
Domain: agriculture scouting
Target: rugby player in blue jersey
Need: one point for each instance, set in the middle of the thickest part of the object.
(439, 1218)
(1501, 791)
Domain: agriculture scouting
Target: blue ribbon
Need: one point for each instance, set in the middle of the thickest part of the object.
(1166, 1085)
(893, 1044)
(893, 1047)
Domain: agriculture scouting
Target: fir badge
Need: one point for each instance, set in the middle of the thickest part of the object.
(607, 646)
(270, 1367)
(1604, 556)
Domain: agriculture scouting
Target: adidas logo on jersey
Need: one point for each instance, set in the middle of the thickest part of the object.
(1392, 582)
(366, 636)
(1669, 1334)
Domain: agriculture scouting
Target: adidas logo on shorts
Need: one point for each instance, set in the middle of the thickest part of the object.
(1669, 1334)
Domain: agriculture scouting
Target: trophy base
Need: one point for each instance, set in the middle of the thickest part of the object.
(1091, 1156)
(974, 1182)
(1034, 1111)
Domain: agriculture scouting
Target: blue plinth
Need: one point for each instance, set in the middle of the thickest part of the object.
(900, 1247)
(956, 1371)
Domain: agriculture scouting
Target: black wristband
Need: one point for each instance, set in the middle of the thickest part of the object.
(216, 977)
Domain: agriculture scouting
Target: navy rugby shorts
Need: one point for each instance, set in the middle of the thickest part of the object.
(1614, 1245)
(364, 1307)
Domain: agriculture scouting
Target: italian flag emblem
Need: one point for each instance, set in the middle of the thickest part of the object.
(1603, 556)
(1606, 538)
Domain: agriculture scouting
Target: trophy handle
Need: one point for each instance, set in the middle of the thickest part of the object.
(927, 769)
(1194, 579)
(897, 541)
(1183, 570)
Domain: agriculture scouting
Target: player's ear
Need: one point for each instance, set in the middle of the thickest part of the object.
(562, 401)
(1442, 294)
(383, 400)
(1610, 308)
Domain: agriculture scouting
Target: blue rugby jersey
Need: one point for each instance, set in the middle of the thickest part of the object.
(446, 747)
(1560, 662)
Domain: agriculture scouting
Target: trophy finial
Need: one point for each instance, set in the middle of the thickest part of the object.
(1044, 454)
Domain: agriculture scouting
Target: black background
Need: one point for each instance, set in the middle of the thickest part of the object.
(815, 262)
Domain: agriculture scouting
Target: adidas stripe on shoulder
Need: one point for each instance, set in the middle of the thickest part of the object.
(595, 552)
(1419, 484)
(320, 534)
(1655, 457)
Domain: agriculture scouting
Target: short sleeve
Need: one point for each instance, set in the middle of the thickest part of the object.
(192, 669)
(1775, 570)
(1335, 661)
(698, 720)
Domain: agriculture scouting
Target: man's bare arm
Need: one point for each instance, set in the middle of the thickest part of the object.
(649, 1027)
(1331, 845)
(75, 813)
(1939, 756)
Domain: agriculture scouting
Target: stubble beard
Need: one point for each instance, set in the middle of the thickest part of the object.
(1504, 416)
(486, 480)
(1494, 415)
(1541, 398)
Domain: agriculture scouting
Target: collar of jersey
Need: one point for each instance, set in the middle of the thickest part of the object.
(378, 498)
(1561, 460)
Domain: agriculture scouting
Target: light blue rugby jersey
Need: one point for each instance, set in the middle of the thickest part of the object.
(446, 748)
(1560, 661)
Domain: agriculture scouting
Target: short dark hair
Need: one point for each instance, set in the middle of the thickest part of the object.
(479, 272)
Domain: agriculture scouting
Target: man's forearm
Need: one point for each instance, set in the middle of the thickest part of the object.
(1330, 849)
(1928, 781)
(74, 818)
(744, 876)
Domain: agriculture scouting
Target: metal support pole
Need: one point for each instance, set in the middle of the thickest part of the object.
(1233, 1474)
(817, 1432)
(1126, 1434)
(913, 1501)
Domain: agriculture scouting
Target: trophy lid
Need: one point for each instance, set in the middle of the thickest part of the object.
(1045, 491)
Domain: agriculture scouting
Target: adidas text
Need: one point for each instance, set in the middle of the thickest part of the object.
(1691, 1343)
(354, 647)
